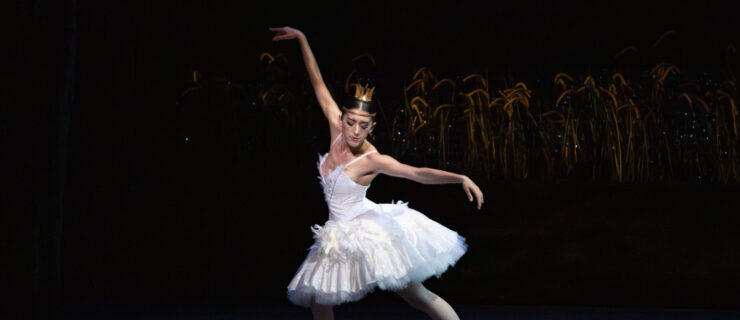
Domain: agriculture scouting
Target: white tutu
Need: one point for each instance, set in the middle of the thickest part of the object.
(386, 248)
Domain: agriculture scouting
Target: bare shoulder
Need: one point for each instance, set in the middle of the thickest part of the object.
(377, 156)
(369, 150)
(380, 160)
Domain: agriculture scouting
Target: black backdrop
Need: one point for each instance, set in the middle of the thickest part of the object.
(103, 199)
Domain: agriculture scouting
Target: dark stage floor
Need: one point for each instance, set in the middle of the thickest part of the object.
(381, 309)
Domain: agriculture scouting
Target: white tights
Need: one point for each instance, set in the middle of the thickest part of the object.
(415, 294)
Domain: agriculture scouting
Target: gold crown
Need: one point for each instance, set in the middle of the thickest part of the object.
(364, 93)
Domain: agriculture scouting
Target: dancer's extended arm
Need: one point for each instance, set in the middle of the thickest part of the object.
(387, 165)
(328, 105)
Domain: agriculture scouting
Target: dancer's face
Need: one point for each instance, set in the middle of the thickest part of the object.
(356, 127)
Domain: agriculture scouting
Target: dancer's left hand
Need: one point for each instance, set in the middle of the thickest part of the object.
(286, 33)
(471, 189)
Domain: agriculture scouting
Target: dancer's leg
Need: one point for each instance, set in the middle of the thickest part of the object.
(426, 301)
(321, 312)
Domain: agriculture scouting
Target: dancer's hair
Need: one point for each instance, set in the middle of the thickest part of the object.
(362, 101)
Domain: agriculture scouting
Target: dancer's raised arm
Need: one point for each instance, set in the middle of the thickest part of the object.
(328, 105)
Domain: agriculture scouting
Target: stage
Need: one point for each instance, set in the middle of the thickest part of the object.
(384, 307)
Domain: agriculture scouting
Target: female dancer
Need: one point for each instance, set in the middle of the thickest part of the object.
(365, 245)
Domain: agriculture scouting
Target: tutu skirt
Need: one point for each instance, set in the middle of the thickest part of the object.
(385, 247)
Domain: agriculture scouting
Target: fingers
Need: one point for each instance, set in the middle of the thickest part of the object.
(478, 194)
(478, 197)
(279, 33)
(280, 36)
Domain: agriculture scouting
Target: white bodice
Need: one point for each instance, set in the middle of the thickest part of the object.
(344, 197)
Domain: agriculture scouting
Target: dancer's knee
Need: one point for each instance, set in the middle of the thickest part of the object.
(421, 293)
(417, 295)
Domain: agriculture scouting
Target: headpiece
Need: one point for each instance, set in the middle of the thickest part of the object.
(361, 100)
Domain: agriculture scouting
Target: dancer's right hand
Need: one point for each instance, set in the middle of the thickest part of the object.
(285, 33)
